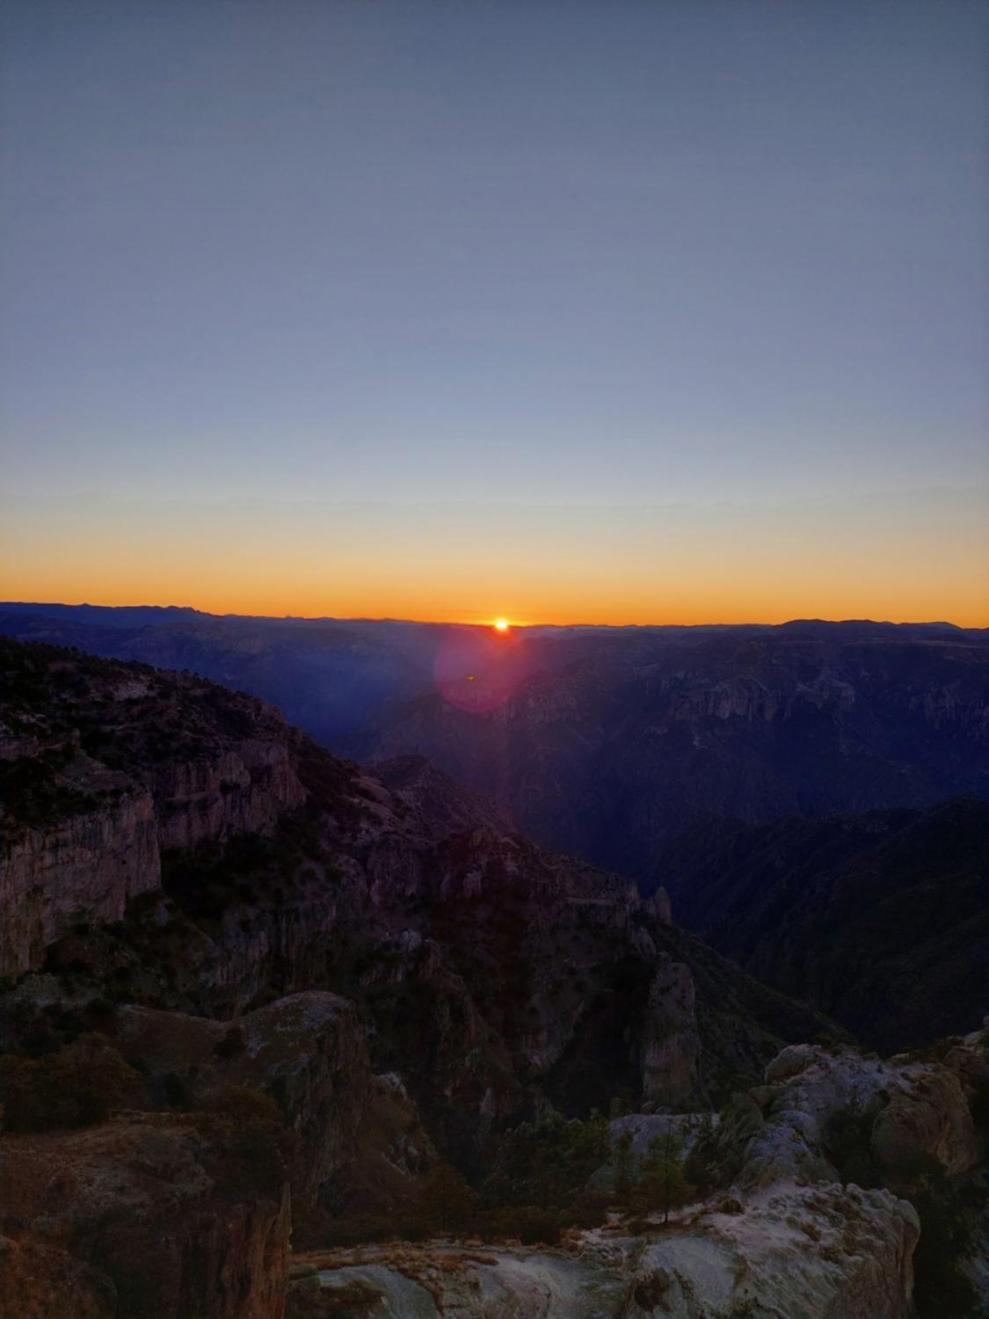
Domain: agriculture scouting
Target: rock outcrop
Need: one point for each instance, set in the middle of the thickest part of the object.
(246, 789)
(803, 1252)
(83, 869)
(102, 769)
(182, 1228)
(787, 1234)
(672, 1044)
(309, 1053)
(908, 1114)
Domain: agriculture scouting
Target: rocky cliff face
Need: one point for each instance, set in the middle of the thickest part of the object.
(246, 789)
(86, 868)
(100, 772)
(672, 1042)
(308, 1052)
(397, 890)
(169, 1214)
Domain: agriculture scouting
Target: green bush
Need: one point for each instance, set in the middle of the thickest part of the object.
(530, 1224)
(241, 1108)
(663, 1184)
(702, 1167)
(244, 1129)
(847, 1145)
(948, 1217)
(446, 1202)
(232, 1045)
(75, 1087)
(546, 1162)
(718, 1152)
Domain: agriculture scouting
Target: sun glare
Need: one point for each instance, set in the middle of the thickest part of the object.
(501, 625)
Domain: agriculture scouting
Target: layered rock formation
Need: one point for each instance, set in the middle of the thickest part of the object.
(86, 868)
(102, 769)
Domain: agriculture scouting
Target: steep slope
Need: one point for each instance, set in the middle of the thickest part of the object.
(484, 965)
(104, 768)
(882, 919)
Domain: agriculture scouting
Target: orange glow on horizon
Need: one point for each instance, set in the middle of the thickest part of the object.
(896, 562)
(702, 612)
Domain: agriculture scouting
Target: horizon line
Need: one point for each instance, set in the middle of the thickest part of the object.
(488, 623)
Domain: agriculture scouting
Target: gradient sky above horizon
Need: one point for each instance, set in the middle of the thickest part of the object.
(596, 312)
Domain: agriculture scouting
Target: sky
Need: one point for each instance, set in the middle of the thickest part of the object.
(605, 311)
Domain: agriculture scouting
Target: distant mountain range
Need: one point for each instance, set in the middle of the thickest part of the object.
(603, 742)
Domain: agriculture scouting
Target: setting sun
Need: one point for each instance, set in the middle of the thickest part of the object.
(501, 625)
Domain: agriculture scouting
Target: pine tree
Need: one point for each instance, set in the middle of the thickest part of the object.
(445, 1201)
(663, 1184)
(623, 1164)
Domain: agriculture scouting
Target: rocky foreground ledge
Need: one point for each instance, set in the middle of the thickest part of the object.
(789, 1236)
(96, 1217)
(804, 1252)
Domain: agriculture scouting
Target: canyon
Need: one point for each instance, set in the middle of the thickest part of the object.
(604, 743)
(314, 988)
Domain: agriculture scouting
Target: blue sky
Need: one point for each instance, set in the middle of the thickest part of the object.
(411, 263)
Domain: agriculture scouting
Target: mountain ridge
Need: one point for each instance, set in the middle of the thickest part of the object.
(749, 722)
